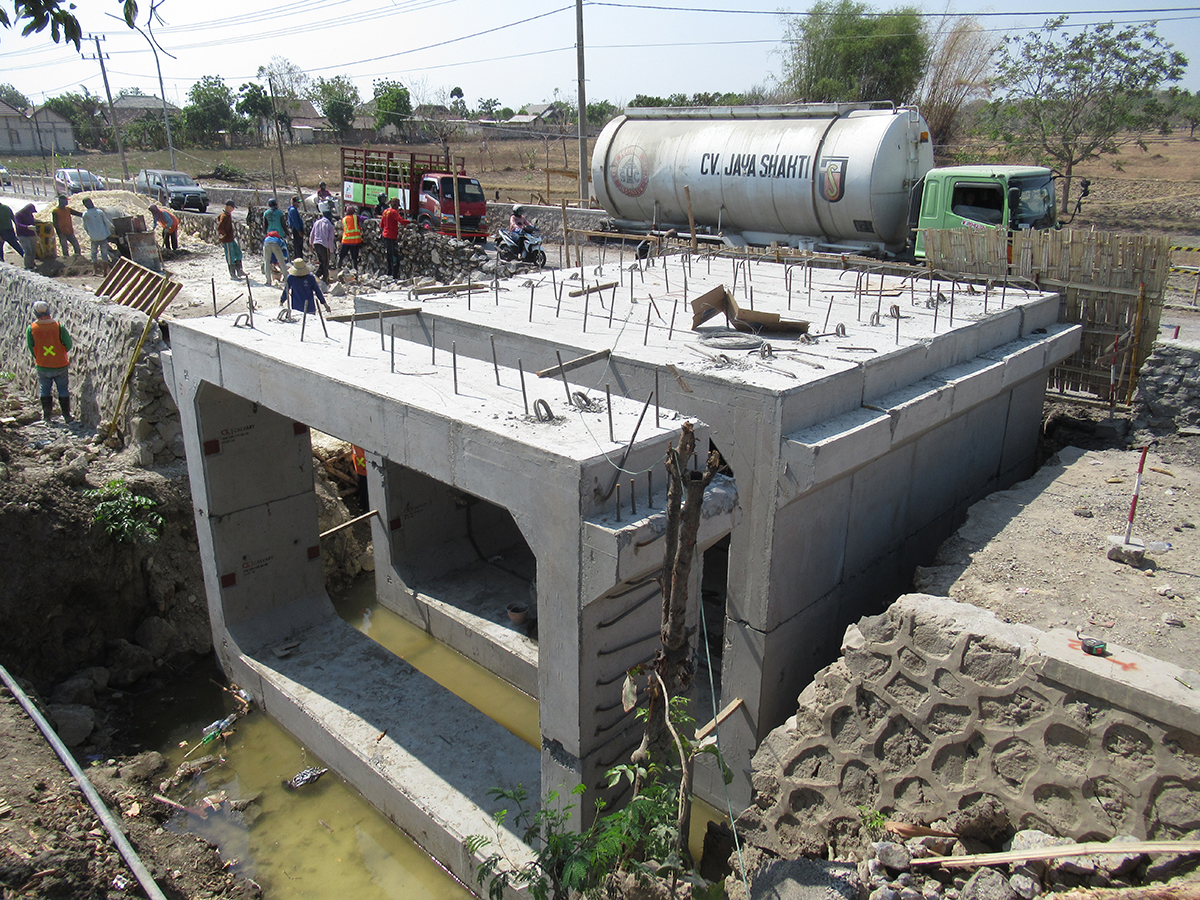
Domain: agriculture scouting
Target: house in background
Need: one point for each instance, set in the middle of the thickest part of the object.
(41, 130)
(129, 107)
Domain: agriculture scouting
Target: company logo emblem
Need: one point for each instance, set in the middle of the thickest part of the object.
(631, 172)
(833, 178)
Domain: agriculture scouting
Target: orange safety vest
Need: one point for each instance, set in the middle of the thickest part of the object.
(351, 231)
(170, 222)
(48, 349)
(359, 456)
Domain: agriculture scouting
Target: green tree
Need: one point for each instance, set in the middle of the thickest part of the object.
(488, 108)
(393, 105)
(1187, 107)
(336, 98)
(847, 51)
(458, 105)
(599, 112)
(1071, 98)
(146, 132)
(254, 103)
(86, 114)
(210, 109)
(37, 15)
(13, 97)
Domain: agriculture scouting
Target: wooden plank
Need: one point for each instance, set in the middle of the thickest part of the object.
(1091, 848)
(387, 314)
(577, 363)
(608, 285)
(708, 728)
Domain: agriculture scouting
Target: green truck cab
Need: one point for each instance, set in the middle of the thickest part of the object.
(1012, 197)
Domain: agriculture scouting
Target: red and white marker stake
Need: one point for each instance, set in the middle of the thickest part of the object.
(1137, 489)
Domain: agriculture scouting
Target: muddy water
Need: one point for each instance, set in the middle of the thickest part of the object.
(325, 841)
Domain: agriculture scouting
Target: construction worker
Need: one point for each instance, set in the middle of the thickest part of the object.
(99, 227)
(227, 237)
(170, 226)
(49, 342)
(351, 236)
(63, 226)
(359, 457)
(274, 220)
(389, 230)
(295, 221)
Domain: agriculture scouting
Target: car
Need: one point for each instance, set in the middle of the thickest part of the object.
(72, 181)
(176, 189)
(5, 178)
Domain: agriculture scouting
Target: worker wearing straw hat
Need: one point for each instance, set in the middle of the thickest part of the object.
(301, 285)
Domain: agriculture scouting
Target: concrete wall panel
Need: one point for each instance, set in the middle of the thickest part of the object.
(878, 507)
(814, 562)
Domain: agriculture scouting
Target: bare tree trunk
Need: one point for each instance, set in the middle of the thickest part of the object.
(672, 668)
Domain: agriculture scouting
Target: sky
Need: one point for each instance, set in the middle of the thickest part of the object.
(518, 52)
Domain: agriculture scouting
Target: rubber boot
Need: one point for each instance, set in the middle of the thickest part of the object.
(233, 272)
(64, 403)
(47, 409)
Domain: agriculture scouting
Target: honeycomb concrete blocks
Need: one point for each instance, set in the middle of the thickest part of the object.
(1169, 383)
(936, 704)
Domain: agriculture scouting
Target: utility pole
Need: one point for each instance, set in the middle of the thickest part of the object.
(163, 92)
(279, 129)
(112, 113)
(583, 160)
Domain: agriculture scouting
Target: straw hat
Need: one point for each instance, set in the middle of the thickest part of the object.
(299, 268)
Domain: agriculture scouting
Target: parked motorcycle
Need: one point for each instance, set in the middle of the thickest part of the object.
(524, 247)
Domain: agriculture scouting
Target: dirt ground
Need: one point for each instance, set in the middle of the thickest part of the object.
(1033, 554)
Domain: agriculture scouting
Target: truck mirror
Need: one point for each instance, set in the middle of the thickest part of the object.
(1014, 205)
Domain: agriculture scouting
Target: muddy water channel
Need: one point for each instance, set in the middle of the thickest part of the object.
(323, 841)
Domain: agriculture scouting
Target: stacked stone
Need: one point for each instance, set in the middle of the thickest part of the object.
(938, 706)
(423, 253)
(104, 337)
(889, 873)
(1169, 384)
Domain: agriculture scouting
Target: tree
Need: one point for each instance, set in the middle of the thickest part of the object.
(488, 107)
(1070, 99)
(336, 98)
(13, 97)
(38, 15)
(255, 104)
(147, 132)
(958, 72)
(393, 105)
(600, 112)
(458, 105)
(210, 110)
(85, 112)
(290, 81)
(130, 92)
(846, 51)
(1187, 107)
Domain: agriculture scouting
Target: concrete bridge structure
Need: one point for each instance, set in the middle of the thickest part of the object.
(848, 460)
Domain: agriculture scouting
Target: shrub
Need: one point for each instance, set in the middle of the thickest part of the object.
(128, 517)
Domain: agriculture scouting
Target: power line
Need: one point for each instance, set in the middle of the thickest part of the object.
(887, 14)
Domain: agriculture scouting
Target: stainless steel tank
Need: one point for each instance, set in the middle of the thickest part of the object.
(827, 173)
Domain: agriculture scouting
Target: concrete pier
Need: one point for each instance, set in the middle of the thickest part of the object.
(849, 458)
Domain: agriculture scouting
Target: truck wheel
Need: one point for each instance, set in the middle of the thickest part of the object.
(539, 258)
(204, 208)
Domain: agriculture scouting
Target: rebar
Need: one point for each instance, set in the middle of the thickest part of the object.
(454, 362)
(563, 373)
(495, 362)
(608, 402)
(524, 396)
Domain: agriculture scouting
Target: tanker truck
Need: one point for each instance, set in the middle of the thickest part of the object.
(842, 178)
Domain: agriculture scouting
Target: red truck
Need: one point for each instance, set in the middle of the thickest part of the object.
(426, 191)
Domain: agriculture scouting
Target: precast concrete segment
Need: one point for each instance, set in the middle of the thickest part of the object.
(415, 750)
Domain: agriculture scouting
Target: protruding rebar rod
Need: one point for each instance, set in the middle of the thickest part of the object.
(646, 336)
(632, 497)
(393, 349)
(454, 362)
(531, 303)
(214, 293)
(586, 298)
(608, 403)
(524, 396)
(563, 373)
(495, 362)
(349, 343)
(674, 309)
(432, 341)
(656, 408)
(382, 347)
(650, 489)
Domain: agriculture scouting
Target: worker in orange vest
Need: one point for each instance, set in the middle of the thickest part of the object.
(49, 342)
(351, 236)
(170, 226)
(359, 457)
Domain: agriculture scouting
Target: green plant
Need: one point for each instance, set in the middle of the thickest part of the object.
(874, 821)
(128, 517)
(563, 858)
(224, 171)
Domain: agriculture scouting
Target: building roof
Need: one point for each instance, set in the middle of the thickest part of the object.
(142, 102)
(6, 110)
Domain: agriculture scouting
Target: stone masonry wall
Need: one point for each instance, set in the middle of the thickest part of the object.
(1169, 383)
(104, 337)
(937, 705)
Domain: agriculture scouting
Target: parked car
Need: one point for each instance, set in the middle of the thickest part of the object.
(72, 181)
(5, 178)
(176, 189)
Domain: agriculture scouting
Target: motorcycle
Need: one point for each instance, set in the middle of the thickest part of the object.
(509, 246)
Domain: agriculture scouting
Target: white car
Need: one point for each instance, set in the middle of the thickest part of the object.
(5, 178)
(73, 181)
